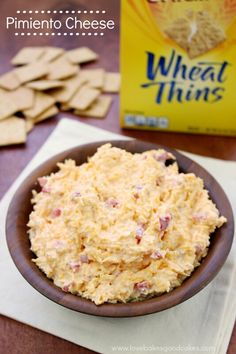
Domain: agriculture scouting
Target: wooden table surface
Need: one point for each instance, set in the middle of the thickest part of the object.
(16, 337)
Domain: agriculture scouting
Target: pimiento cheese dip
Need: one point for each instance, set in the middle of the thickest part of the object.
(121, 227)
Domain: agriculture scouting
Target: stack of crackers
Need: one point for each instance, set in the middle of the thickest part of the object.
(46, 80)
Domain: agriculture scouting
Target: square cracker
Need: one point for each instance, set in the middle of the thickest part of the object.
(98, 109)
(180, 31)
(70, 87)
(42, 85)
(31, 72)
(41, 103)
(94, 77)
(7, 106)
(61, 68)
(81, 55)
(9, 81)
(48, 113)
(111, 82)
(23, 98)
(51, 53)
(208, 36)
(12, 131)
(196, 34)
(28, 55)
(84, 98)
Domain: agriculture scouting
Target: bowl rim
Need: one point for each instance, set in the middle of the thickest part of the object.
(200, 277)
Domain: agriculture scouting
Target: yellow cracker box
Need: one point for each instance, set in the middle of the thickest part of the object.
(178, 65)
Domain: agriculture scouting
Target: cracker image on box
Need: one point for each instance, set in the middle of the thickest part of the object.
(197, 33)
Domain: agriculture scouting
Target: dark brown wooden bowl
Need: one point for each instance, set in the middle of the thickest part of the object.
(19, 245)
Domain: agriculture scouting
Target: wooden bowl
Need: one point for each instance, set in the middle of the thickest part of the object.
(19, 245)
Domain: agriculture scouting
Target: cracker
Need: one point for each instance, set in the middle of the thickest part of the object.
(70, 87)
(94, 77)
(31, 72)
(83, 98)
(196, 34)
(2, 92)
(61, 68)
(111, 82)
(42, 103)
(7, 107)
(29, 125)
(48, 113)
(28, 55)
(208, 36)
(52, 53)
(42, 85)
(81, 55)
(179, 31)
(9, 81)
(98, 109)
(23, 97)
(12, 131)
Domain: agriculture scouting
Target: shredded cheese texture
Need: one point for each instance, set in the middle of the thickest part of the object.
(121, 227)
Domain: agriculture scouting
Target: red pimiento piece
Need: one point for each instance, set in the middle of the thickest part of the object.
(56, 212)
(42, 181)
(139, 234)
(156, 255)
(164, 221)
(112, 202)
(65, 288)
(74, 265)
(142, 286)
(46, 189)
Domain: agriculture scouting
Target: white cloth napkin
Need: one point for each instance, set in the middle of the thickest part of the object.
(202, 324)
